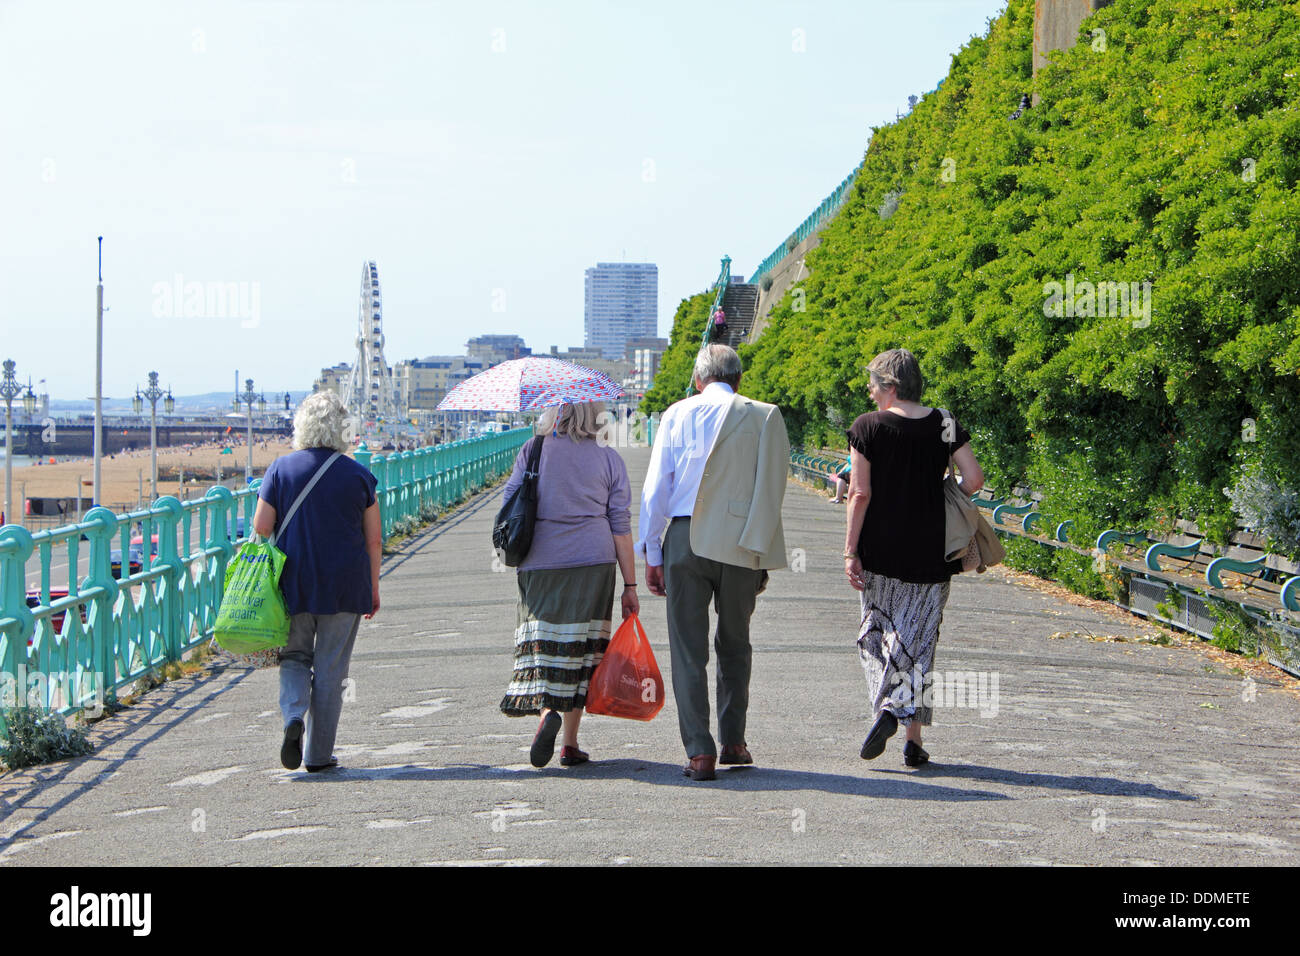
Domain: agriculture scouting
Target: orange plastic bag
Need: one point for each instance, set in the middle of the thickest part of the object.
(627, 682)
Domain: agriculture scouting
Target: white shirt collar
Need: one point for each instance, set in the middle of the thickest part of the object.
(721, 385)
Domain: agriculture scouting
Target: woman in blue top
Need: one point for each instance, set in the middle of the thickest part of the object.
(332, 550)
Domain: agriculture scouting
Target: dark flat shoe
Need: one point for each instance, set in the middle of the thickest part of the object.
(318, 767)
(543, 748)
(885, 727)
(701, 768)
(914, 755)
(291, 748)
(736, 754)
(572, 756)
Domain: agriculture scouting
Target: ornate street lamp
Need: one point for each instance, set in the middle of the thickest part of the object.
(248, 397)
(151, 395)
(9, 390)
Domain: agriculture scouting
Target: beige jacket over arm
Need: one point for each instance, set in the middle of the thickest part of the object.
(737, 514)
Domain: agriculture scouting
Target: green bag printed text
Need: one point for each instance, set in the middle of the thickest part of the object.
(253, 616)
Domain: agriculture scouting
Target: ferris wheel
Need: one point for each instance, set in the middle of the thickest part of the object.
(369, 392)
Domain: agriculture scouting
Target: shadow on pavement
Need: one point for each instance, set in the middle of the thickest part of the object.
(161, 709)
(754, 779)
(1107, 786)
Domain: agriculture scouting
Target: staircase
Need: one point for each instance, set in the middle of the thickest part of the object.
(740, 303)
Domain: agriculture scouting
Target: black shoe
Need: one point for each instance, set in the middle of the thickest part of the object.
(318, 767)
(913, 755)
(291, 749)
(885, 727)
(544, 741)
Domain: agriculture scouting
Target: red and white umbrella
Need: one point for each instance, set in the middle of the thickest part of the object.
(528, 384)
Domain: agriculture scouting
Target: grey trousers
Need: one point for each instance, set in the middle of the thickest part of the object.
(313, 666)
(692, 582)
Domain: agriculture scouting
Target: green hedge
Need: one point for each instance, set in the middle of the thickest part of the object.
(674, 375)
(1130, 170)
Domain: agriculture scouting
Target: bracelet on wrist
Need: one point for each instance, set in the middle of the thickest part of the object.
(626, 586)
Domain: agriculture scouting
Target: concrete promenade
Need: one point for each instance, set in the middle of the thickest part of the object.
(1093, 751)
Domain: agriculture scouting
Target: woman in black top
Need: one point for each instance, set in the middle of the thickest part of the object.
(894, 547)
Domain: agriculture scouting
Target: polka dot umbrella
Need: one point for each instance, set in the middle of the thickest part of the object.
(530, 384)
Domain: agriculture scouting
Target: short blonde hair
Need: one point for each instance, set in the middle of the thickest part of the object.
(321, 421)
(579, 421)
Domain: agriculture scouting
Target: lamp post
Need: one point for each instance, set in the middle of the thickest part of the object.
(248, 397)
(99, 377)
(151, 395)
(9, 390)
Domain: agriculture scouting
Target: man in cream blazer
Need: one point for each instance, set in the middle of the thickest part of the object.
(710, 530)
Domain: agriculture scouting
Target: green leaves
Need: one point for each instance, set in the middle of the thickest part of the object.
(1170, 154)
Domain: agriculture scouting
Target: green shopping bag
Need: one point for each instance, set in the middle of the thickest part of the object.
(253, 616)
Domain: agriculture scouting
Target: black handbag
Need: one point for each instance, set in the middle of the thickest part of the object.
(512, 532)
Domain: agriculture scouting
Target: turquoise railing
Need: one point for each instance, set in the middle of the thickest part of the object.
(75, 651)
(414, 482)
(816, 219)
(719, 293)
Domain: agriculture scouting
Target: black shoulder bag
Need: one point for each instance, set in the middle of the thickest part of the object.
(512, 532)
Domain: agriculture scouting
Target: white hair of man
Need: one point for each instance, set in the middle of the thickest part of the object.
(322, 421)
(718, 363)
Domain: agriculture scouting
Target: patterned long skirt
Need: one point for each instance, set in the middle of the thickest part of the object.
(563, 631)
(900, 626)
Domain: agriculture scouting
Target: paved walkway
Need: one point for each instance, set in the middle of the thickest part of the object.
(1099, 752)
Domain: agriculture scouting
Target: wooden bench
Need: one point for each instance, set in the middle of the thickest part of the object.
(1242, 572)
(817, 465)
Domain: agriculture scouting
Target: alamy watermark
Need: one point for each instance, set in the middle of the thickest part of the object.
(55, 690)
(971, 689)
(179, 299)
(1105, 298)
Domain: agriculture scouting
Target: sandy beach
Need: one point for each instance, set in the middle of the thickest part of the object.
(121, 473)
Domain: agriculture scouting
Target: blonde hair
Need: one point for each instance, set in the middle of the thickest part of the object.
(321, 421)
(579, 421)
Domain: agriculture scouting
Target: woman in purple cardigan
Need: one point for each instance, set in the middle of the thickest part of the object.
(567, 581)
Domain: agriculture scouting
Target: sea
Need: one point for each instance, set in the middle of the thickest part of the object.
(19, 460)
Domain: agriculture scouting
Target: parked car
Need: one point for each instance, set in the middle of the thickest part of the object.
(137, 541)
(135, 559)
(56, 619)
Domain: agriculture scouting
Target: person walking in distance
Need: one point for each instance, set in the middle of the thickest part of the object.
(710, 530)
(333, 546)
(894, 545)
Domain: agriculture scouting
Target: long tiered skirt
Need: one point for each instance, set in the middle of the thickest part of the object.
(563, 631)
(900, 627)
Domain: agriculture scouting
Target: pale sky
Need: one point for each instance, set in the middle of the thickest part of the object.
(483, 154)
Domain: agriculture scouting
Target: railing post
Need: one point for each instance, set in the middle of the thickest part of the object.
(410, 499)
(102, 524)
(379, 467)
(15, 548)
(458, 464)
(430, 466)
(444, 476)
(218, 536)
(169, 560)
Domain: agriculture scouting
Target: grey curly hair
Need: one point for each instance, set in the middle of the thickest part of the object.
(322, 421)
